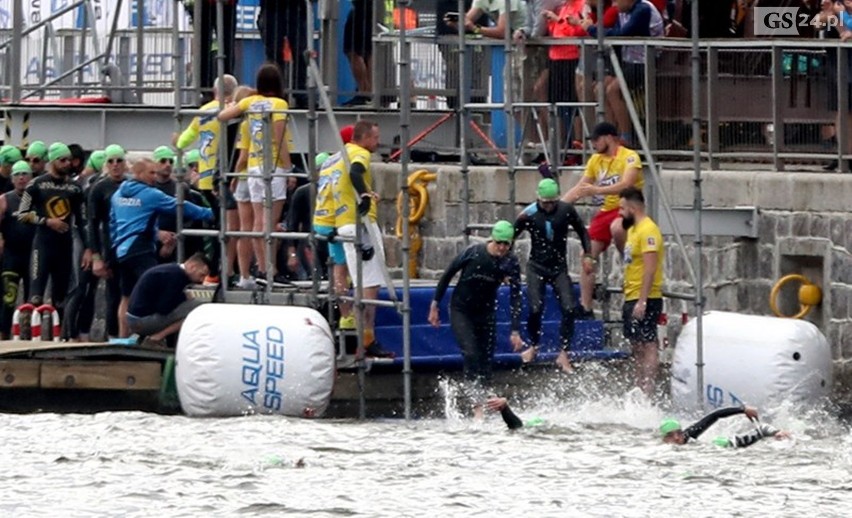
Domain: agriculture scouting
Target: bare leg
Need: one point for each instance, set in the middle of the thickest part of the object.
(341, 286)
(123, 329)
(587, 280)
(231, 249)
(245, 244)
(277, 208)
(172, 328)
(647, 360)
(257, 242)
(361, 73)
(619, 107)
(619, 235)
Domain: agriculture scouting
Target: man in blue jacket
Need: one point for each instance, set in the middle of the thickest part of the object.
(135, 208)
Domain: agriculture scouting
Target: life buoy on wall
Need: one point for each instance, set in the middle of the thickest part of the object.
(752, 359)
(235, 359)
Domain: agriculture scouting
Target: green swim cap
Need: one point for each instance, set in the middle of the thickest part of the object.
(21, 167)
(192, 157)
(503, 231)
(548, 189)
(724, 442)
(10, 154)
(58, 150)
(114, 151)
(668, 426)
(96, 160)
(163, 152)
(37, 148)
(321, 158)
(535, 421)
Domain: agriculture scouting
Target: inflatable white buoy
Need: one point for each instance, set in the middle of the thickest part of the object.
(236, 359)
(752, 359)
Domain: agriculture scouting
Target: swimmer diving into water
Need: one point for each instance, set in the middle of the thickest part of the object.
(670, 430)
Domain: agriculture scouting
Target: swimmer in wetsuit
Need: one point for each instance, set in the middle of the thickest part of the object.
(484, 268)
(671, 431)
(53, 203)
(548, 221)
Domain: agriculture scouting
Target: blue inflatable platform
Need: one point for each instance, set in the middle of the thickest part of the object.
(436, 348)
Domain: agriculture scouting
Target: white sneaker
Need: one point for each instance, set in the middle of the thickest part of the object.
(246, 283)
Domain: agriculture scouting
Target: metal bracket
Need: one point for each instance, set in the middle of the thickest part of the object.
(736, 221)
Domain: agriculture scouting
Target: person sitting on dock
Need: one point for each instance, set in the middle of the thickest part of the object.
(548, 221)
(672, 433)
(484, 268)
(159, 304)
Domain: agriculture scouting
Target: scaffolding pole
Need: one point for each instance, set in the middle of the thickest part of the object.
(222, 161)
(405, 124)
(697, 203)
(462, 100)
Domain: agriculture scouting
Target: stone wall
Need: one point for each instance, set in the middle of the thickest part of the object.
(804, 226)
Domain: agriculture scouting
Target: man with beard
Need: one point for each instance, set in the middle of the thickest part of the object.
(16, 244)
(103, 263)
(643, 285)
(37, 157)
(610, 170)
(53, 202)
(548, 221)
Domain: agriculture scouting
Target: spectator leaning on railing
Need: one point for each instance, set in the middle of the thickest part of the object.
(636, 18)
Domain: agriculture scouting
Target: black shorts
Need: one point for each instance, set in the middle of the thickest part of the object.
(634, 75)
(645, 330)
(358, 32)
(562, 80)
(131, 269)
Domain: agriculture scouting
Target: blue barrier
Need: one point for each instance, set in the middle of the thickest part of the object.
(436, 347)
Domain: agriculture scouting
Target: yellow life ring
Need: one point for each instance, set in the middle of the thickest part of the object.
(810, 295)
(418, 203)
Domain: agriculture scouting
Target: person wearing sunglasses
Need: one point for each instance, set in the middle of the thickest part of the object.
(548, 221)
(54, 204)
(114, 166)
(16, 244)
(36, 155)
(9, 156)
(484, 267)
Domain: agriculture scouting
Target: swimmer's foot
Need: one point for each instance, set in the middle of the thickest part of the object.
(529, 354)
(564, 363)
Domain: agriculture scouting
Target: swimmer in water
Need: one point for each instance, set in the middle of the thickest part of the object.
(672, 433)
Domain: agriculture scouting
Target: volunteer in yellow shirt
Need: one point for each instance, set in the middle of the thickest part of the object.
(354, 195)
(206, 129)
(643, 286)
(268, 100)
(609, 171)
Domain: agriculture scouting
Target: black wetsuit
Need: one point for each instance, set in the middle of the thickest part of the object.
(17, 248)
(738, 441)
(299, 217)
(81, 303)
(473, 305)
(6, 184)
(548, 264)
(50, 197)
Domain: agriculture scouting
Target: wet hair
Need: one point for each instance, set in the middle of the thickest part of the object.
(362, 129)
(633, 194)
(269, 82)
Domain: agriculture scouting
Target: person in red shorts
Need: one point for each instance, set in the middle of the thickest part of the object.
(609, 171)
